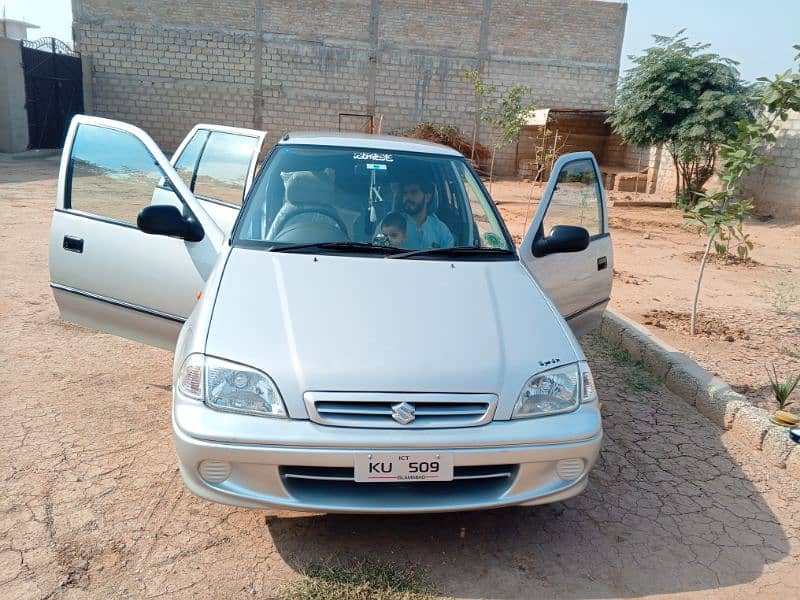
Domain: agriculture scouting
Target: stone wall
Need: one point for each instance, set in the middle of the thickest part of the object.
(624, 155)
(168, 64)
(13, 117)
(662, 170)
(776, 187)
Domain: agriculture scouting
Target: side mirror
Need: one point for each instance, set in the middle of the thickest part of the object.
(165, 219)
(562, 238)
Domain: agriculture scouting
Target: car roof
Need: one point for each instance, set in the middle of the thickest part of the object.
(383, 143)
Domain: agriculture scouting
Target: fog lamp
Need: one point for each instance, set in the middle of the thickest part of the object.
(214, 471)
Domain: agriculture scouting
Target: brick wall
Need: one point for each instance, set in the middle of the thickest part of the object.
(776, 187)
(168, 64)
(619, 154)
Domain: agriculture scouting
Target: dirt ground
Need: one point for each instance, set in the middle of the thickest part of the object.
(92, 505)
(749, 313)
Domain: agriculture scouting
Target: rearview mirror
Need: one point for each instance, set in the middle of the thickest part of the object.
(562, 238)
(165, 219)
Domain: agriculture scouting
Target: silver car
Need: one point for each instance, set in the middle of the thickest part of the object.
(354, 329)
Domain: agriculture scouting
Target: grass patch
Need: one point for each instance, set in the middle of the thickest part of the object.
(362, 580)
(786, 351)
(783, 296)
(634, 373)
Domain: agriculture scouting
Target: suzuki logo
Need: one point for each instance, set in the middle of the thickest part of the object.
(403, 413)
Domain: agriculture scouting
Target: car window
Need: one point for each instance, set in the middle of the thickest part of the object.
(576, 199)
(187, 162)
(224, 164)
(312, 194)
(112, 174)
(486, 221)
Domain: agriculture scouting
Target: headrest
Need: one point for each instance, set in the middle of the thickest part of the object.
(433, 203)
(303, 188)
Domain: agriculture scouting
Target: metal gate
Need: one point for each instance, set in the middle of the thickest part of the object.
(53, 90)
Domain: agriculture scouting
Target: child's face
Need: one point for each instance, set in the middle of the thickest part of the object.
(396, 237)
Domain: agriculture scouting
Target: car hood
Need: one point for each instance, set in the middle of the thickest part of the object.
(352, 323)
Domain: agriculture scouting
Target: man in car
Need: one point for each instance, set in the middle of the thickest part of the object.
(424, 229)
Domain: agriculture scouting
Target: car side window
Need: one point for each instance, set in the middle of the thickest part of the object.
(224, 164)
(187, 162)
(489, 231)
(111, 174)
(576, 199)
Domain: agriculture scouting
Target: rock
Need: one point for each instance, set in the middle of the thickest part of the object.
(751, 425)
(720, 405)
(777, 445)
(793, 461)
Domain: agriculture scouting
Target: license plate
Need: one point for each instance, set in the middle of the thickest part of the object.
(384, 467)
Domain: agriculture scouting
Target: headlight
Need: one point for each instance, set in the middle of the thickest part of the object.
(556, 391)
(230, 386)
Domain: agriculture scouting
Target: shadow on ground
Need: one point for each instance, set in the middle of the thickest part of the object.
(667, 511)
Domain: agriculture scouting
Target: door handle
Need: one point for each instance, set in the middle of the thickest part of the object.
(602, 263)
(73, 244)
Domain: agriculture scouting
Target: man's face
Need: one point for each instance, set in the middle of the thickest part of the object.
(414, 199)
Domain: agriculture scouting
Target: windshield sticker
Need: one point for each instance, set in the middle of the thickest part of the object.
(493, 240)
(376, 167)
(377, 156)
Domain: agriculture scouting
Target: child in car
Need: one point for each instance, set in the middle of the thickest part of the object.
(394, 229)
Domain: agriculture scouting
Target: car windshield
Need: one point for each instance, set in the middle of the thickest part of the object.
(309, 198)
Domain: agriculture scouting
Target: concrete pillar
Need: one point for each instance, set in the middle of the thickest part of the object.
(13, 116)
(86, 74)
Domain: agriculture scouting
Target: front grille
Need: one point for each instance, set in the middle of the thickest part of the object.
(348, 473)
(400, 410)
(336, 487)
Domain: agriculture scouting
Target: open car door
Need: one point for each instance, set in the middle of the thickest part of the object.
(568, 247)
(218, 164)
(106, 272)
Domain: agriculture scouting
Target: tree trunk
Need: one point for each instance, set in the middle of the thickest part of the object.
(677, 177)
(474, 139)
(699, 281)
(491, 168)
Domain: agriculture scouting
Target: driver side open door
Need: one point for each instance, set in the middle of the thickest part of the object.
(105, 272)
(578, 280)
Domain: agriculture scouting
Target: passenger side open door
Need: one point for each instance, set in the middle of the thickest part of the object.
(218, 164)
(568, 247)
(106, 271)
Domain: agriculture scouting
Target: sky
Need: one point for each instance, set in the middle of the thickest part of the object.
(759, 34)
(54, 17)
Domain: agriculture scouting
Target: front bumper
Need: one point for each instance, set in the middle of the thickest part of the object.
(259, 475)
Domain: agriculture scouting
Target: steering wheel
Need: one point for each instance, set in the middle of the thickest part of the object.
(285, 217)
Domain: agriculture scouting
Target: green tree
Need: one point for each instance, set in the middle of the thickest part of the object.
(680, 95)
(505, 114)
(721, 215)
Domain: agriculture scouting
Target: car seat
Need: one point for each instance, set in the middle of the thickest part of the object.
(307, 201)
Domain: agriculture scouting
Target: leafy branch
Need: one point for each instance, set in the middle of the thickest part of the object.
(782, 389)
(506, 115)
(682, 96)
(721, 215)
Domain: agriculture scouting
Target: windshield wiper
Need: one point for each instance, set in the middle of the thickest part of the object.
(338, 246)
(455, 251)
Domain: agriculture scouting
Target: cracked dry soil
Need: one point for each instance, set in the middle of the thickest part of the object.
(92, 504)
